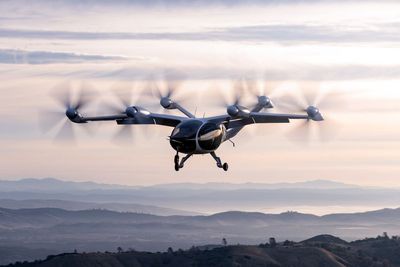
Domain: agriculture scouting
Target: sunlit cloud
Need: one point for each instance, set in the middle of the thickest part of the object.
(348, 46)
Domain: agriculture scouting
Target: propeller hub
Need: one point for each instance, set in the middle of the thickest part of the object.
(265, 101)
(167, 103)
(238, 111)
(314, 113)
(233, 111)
(71, 113)
(130, 112)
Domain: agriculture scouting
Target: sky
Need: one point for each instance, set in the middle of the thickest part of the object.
(348, 47)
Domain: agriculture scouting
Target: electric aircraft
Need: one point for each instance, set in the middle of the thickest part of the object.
(191, 135)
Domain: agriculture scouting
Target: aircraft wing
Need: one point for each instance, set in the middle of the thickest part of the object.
(151, 118)
(256, 117)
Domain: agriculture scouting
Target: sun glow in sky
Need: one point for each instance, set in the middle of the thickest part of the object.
(349, 47)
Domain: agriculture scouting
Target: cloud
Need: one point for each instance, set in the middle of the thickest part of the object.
(300, 72)
(9, 56)
(177, 3)
(284, 33)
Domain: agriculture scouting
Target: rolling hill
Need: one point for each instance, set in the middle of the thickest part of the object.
(58, 230)
(327, 251)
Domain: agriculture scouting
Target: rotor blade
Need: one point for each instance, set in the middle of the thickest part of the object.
(238, 91)
(332, 99)
(155, 91)
(323, 131)
(310, 91)
(264, 129)
(90, 128)
(222, 98)
(124, 95)
(186, 100)
(171, 90)
(107, 108)
(301, 132)
(85, 95)
(158, 93)
(269, 88)
(150, 97)
(49, 119)
(309, 97)
(123, 135)
(215, 97)
(148, 131)
(252, 88)
(147, 91)
(290, 103)
(170, 87)
(299, 100)
(257, 90)
(173, 81)
(327, 129)
(66, 132)
(61, 93)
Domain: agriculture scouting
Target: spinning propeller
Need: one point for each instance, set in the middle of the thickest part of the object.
(126, 103)
(123, 94)
(235, 96)
(71, 104)
(260, 93)
(168, 94)
(232, 102)
(310, 101)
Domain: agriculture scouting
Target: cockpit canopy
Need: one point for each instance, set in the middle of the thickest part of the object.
(194, 136)
(187, 130)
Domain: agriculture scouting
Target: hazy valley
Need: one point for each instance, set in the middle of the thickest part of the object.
(317, 197)
(49, 216)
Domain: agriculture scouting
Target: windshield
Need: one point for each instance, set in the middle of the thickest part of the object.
(187, 129)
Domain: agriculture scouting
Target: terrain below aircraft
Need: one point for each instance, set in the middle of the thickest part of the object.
(192, 135)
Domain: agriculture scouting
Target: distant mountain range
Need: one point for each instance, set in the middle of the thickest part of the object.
(44, 217)
(25, 231)
(191, 198)
(56, 185)
(79, 205)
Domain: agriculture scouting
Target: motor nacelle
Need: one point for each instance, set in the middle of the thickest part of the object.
(314, 114)
(167, 103)
(238, 111)
(265, 101)
(74, 116)
(135, 112)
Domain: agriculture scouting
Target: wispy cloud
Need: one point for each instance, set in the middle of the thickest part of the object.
(9, 56)
(300, 72)
(181, 3)
(275, 33)
(305, 72)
